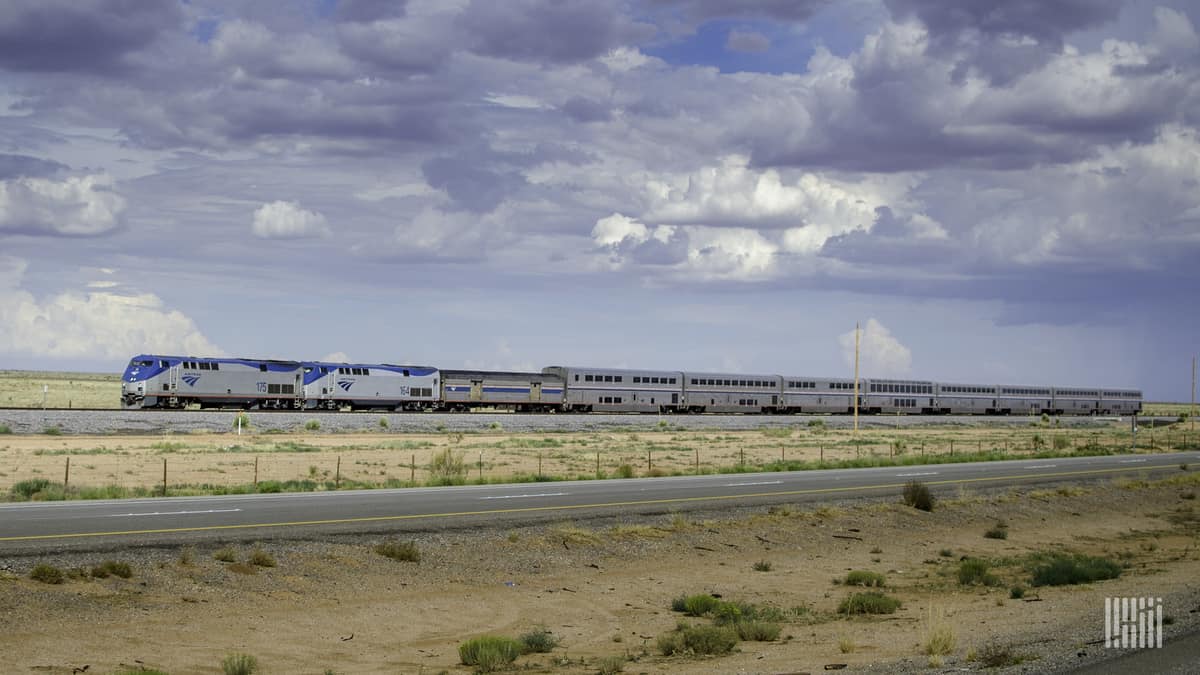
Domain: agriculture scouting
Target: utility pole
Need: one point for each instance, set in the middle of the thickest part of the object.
(856, 381)
(1192, 415)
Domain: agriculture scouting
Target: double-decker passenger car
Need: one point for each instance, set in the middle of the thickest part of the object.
(518, 391)
(731, 393)
(805, 394)
(362, 386)
(892, 396)
(152, 381)
(966, 399)
(619, 390)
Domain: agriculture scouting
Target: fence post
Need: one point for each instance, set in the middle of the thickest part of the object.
(337, 476)
(951, 448)
(697, 461)
(782, 455)
(539, 473)
(480, 466)
(164, 476)
(649, 462)
(255, 471)
(67, 475)
(822, 447)
(742, 461)
(597, 463)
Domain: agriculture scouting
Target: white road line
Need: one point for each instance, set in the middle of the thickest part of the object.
(1131, 461)
(540, 494)
(761, 482)
(1041, 466)
(169, 513)
(923, 473)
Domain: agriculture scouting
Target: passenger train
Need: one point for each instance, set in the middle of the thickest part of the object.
(156, 381)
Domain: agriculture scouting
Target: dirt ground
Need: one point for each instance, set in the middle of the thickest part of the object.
(605, 586)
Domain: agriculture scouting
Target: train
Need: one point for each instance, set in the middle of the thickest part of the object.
(152, 381)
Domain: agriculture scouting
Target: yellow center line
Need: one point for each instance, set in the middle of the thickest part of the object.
(600, 505)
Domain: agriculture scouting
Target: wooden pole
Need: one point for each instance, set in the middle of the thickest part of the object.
(480, 466)
(337, 476)
(539, 473)
(67, 475)
(412, 469)
(697, 461)
(164, 476)
(597, 463)
(856, 381)
(649, 462)
(256, 472)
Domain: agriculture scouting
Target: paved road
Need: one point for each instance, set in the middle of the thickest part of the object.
(30, 527)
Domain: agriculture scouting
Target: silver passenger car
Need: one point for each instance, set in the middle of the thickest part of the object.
(463, 390)
(966, 399)
(1018, 399)
(806, 394)
(619, 390)
(732, 392)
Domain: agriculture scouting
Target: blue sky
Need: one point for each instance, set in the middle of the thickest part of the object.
(998, 192)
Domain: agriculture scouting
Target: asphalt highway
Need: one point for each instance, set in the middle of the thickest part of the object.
(31, 527)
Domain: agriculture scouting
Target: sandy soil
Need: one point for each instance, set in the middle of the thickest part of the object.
(605, 588)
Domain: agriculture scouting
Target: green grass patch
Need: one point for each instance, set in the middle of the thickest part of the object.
(538, 641)
(239, 664)
(917, 495)
(997, 531)
(976, 571)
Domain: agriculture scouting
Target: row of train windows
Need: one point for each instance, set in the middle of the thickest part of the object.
(610, 399)
(841, 385)
(1122, 394)
(968, 390)
(354, 371)
(601, 378)
(281, 388)
(747, 401)
(1076, 392)
(652, 380)
(802, 385)
(731, 383)
(884, 388)
(904, 402)
(420, 391)
(1026, 392)
(201, 365)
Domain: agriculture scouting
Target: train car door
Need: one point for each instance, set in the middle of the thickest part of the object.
(476, 390)
(535, 392)
(173, 377)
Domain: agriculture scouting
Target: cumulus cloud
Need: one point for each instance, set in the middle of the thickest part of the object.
(78, 206)
(255, 50)
(94, 325)
(880, 353)
(686, 252)
(287, 220)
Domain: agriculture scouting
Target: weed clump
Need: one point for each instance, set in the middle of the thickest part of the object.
(864, 578)
(975, 571)
(239, 664)
(997, 531)
(996, 655)
(405, 551)
(47, 574)
(225, 554)
(113, 568)
(447, 468)
(870, 602)
(489, 653)
(241, 421)
(1061, 569)
(698, 640)
(313, 425)
(918, 496)
(261, 558)
(762, 566)
(538, 641)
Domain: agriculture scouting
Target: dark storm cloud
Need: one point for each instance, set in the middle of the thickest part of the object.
(783, 10)
(1003, 39)
(401, 47)
(13, 166)
(547, 31)
(890, 243)
(79, 35)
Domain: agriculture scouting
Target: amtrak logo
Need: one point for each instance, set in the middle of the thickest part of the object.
(346, 384)
(191, 379)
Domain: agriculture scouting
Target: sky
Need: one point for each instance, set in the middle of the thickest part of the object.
(999, 192)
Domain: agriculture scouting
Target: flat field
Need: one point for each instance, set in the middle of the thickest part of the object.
(200, 463)
(23, 389)
(599, 593)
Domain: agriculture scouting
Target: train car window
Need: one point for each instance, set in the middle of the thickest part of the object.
(576, 377)
(619, 378)
(216, 366)
(637, 379)
(693, 380)
(366, 371)
(586, 378)
(672, 381)
(262, 367)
